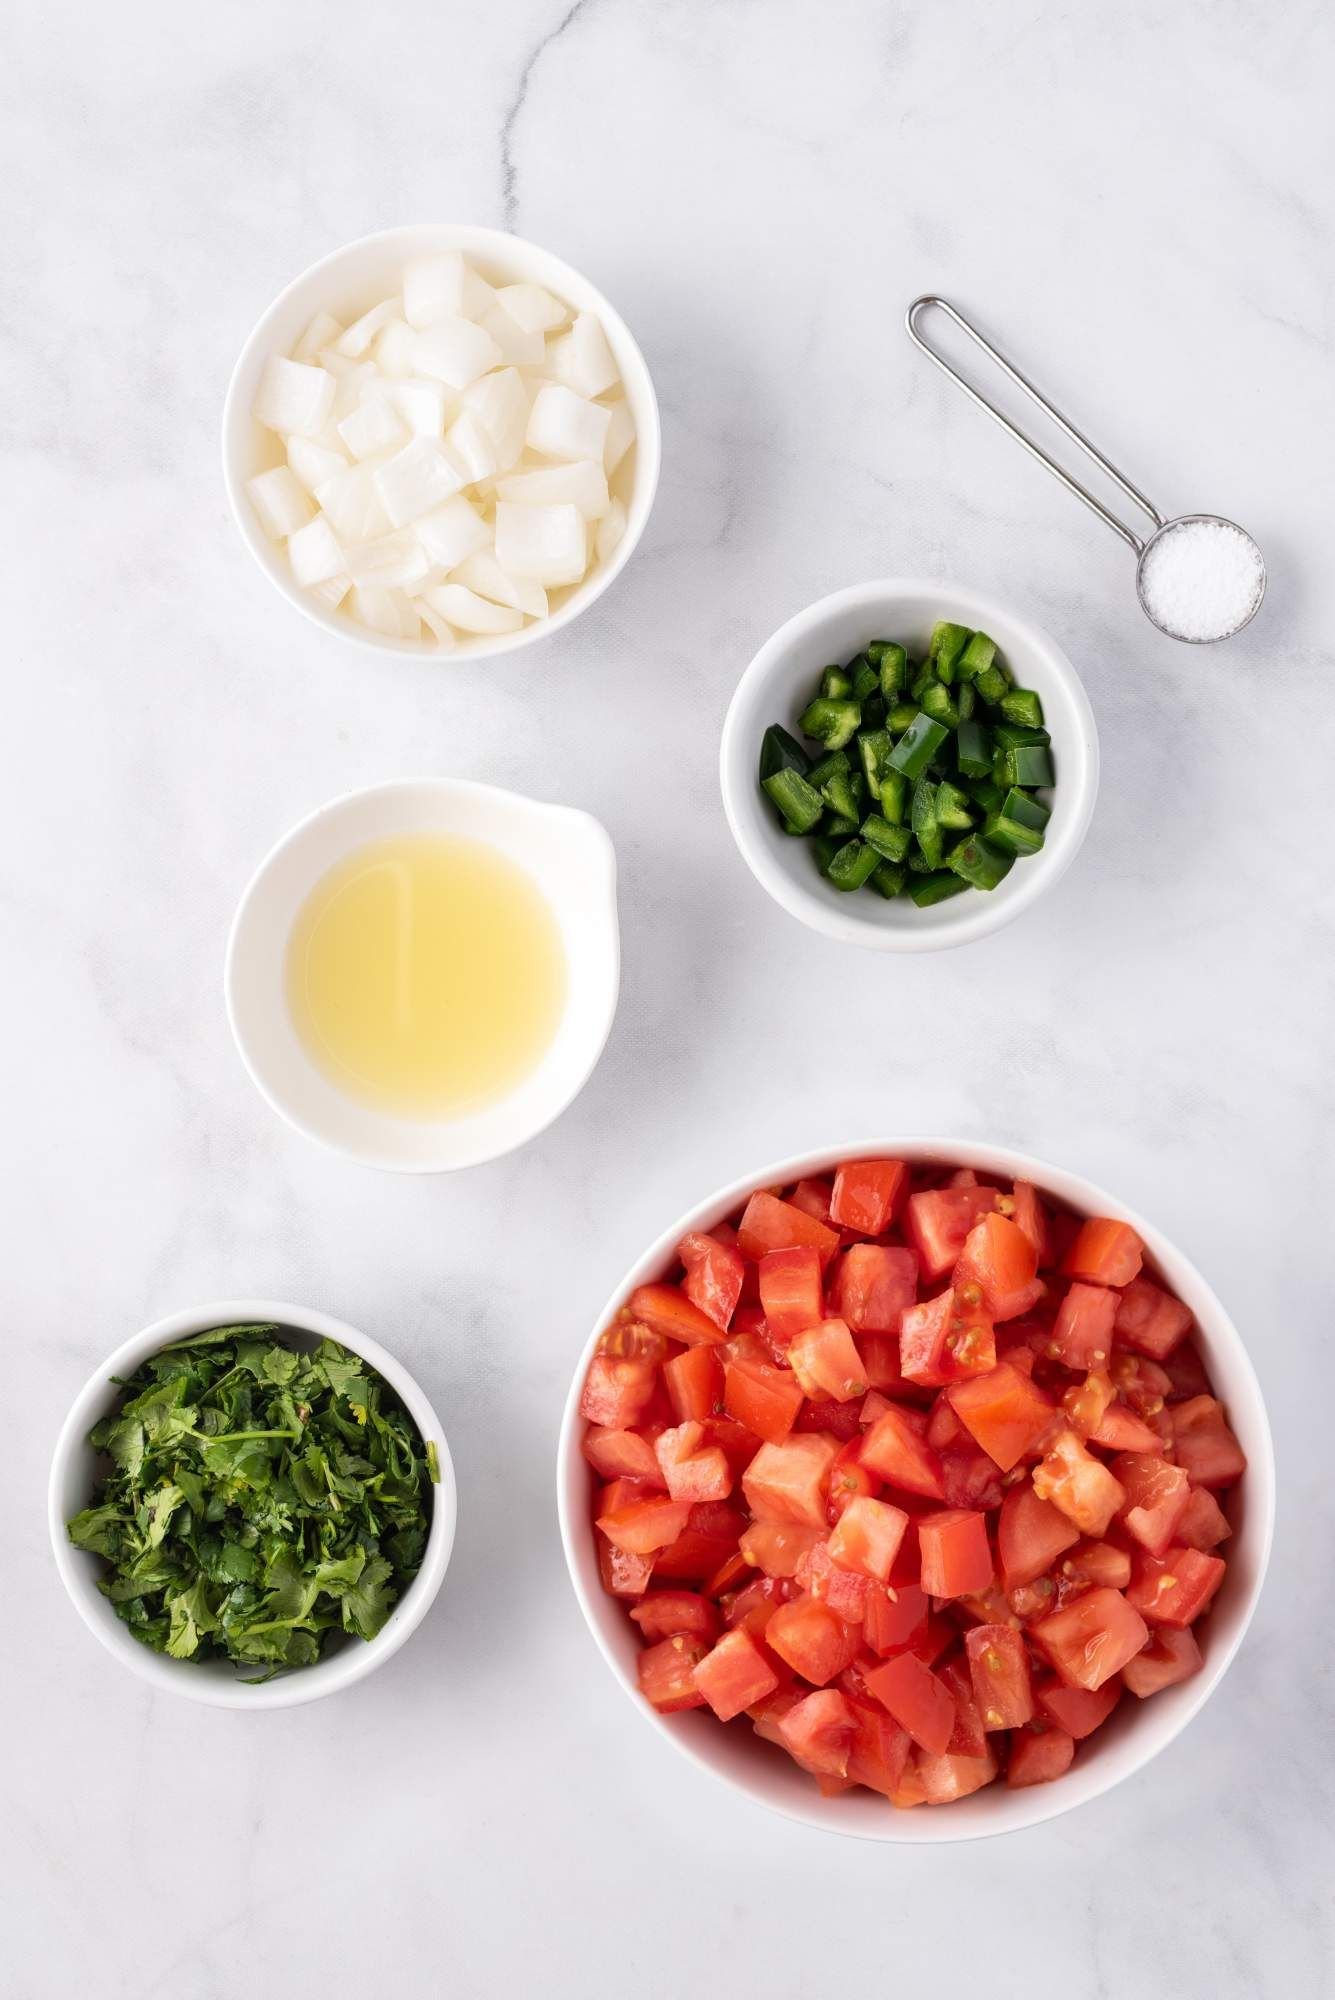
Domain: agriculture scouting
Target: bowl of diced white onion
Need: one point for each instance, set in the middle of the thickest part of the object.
(441, 439)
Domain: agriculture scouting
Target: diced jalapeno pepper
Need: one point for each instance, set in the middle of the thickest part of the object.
(894, 795)
(973, 750)
(992, 684)
(922, 818)
(1011, 835)
(781, 752)
(977, 656)
(934, 888)
(948, 642)
(873, 712)
(853, 865)
(952, 808)
(901, 717)
(800, 803)
(1023, 705)
(842, 793)
(874, 747)
(837, 824)
(893, 662)
(838, 760)
(966, 700)
(887, 879)
(1027, 764)
(825, 846)
(890, 841)
(936, 702)
(1012, 735)
(986, 795)
(836, 683)
(866, 680)
(831, 721)
(918, 745)
(977, 862)
(1029, 811)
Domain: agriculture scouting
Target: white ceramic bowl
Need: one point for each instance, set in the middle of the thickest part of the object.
(781, 680)
(1135, 1734)
(349, 282)
(74, 1470)
(570, 858)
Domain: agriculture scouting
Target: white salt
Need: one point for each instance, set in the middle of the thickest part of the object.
(1201, 578)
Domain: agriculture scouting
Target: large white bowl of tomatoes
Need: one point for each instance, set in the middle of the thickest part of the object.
(911, 1475)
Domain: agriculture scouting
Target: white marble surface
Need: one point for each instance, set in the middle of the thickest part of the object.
(1137, 199)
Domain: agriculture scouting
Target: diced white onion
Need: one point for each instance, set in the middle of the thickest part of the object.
(394, 349)
(398, 561)
(482, 573)
(499, 401)
(374, 426)
(312, 463)
(359, 385)
(469, 612)
(352, 504)
(550, 544)
(417, 479)
(363, 331)
(471, 444)
(582, 358)
(455, 352)
(517, 346)
(451, 533)
(433, 287)
(322, 329)
(441, 629)
(332, 591)
(620, 436)
(581, 482)
(533, 308)
(293, 396)
(314, 552)
(387, 611)
(564, 425)
(281, 501)
(609, 530)
(421, 404)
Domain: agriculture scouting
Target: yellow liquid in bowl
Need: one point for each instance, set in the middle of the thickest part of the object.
(426, 975)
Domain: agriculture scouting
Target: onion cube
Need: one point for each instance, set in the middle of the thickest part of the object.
(352, 504)
(434, 287)
(312, 463)
(374, 426)
(609, 531)
(332, 591)
(417, 479)
(472, 446)
(499, 401)
(363, 331)
(564, 425)
(455, 352)
(440, 627)
(517, 346)
(293, 396)
(362, 380)
(532, 307)
(451, 533)
(421, 404)
(314, 552)
(620, 436)
(467, 611)
(582, 358)
(549, 544)
(394, 349)
(281, 502)
(482, 573)
(581, 481)
(398, 561)
(387, 611)
(322, 329)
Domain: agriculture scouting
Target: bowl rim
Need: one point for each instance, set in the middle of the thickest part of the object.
(1036, 1804)
(183, 1677)
(384, 1161)
(648, 445)
(970, 917)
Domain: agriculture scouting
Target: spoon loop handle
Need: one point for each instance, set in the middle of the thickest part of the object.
(1035, 395)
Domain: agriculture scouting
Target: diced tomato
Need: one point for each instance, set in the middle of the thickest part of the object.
(1030, 1217)
(1003, 1412)
(938, 1221)
(1038, 1756)
(727, 1576)
(621, 1455)
(1031, 1534)
(1105, 1252)
(715, 1273)
(956, 1557)
(849, 1479)
(880, 1359)
(666, 1673)
(815, 1643)
(896, 1453)
(880, 1748)
(867, 1536)
(865, 1193)
(999, 1666)
(770, 1224)
(667, 1310)
(708, 1539)
(1118, 1430)
(1150, 1319)
(1156, 1498)
(1186, 1372)
(750, 1325)
(778, 1547)
(787, 1482)
(838, 1420)
(1141, 1383)
(664, 1613)
(970, 1478)
(1203, 1524)
(693, 1470)
(752, 1607)
(944, 1427)
(1093, 1637)
(1206, 1447)
(826, 1362)
(872, 1285)
(618, 1389)
(1174, 1589)
(631, 1341)
(842, 1589)
(645, 1526)
(623, 1575)
(1171, 1656)
(1099, 1562)
(790, 1290)
(946, 1339)
(694, 1382)
(738, 1444)
(812, 1196)
(1079, 1484)
(818, 1732)
(951, 1777)
(918, 1700)
(895, 1620)
(968, 1738)
(1077, 1710)
(766, 1400)
(985, 1607)
(735, 1675)
(1001, 1261)
(1086, 1403)
(1083, 1333)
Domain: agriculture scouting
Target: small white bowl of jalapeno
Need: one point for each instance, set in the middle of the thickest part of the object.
(908, 766)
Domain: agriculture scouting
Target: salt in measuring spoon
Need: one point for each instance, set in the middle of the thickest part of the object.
(1199, 577)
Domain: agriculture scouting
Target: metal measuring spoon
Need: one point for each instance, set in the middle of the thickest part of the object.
(1181, 542)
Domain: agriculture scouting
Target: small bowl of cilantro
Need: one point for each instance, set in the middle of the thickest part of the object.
(252, 1504)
